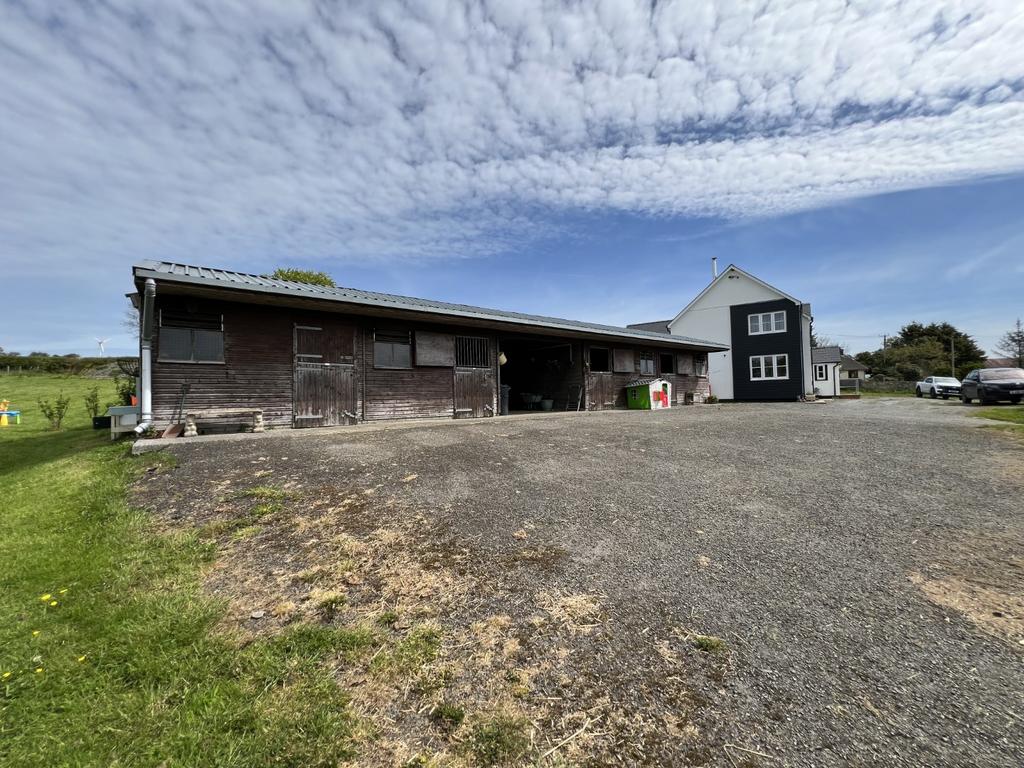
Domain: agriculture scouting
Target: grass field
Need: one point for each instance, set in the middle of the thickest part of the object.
(106, 651)
(1013, 414)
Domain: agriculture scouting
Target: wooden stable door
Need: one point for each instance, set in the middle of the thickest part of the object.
(602, 391)
(474, 378)
(325, 375)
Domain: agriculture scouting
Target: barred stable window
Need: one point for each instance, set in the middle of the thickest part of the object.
(191, 337)
(764, 367)
(820, 372)
(766, 322)
(647, 363)
(392, 349)
(668, 362)
(700, 365)
(471, 352)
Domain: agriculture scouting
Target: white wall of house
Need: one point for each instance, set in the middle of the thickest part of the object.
(709, 318)
(829, 386)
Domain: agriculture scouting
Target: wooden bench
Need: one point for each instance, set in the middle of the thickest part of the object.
(256, 414)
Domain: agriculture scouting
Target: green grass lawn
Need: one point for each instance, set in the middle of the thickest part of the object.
(1013, 414)
(106, 651)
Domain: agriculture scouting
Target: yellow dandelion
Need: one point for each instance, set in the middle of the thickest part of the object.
(53, 602)
(35, 632)
(64, 591)
(6, 675)
(39, 670)
(45, 597)
(81, 659)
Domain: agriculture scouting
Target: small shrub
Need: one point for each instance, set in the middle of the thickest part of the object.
(711, 399)
(499, 740)
(125, 389)
(92, 402)
(56, 411)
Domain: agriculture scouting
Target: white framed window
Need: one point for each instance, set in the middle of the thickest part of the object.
(766, 322)
(820, 372)
(647, 363)
(765, 367)
(700, 365)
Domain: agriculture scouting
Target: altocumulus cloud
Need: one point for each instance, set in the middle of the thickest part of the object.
(423, 129)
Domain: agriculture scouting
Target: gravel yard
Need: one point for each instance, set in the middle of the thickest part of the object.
(756, 585)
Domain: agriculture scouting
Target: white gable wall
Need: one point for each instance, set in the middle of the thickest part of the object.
(829, 386)
(708, 318)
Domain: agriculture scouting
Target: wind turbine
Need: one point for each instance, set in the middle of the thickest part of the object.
(103, 344)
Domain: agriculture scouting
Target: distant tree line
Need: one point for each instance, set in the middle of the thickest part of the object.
(920, 350)
(47, 363)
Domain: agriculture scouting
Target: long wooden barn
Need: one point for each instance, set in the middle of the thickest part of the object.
(308, 355)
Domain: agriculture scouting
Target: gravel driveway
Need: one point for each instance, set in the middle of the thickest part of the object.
(856, 565)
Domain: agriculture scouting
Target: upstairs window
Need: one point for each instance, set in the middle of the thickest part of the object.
(700, 365)
(392, 349)
(600, 361)
(191, 337)
(667, 361)
(765, 367)
(646, 363)
(766, 322)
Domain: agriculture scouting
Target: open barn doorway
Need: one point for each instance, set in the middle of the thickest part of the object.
(543, 374)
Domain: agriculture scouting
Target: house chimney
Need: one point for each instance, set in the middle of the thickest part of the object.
(714, 267)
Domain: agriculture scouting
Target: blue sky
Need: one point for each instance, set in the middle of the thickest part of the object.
(583, 162)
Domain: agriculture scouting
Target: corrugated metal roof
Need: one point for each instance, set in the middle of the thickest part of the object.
(223, 278)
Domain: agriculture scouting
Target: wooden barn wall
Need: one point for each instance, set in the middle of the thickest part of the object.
(599, 383)
(256, 372)
(417, 392)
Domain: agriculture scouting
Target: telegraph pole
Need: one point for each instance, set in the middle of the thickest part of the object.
(952, 356)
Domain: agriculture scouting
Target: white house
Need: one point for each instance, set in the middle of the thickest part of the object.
(852, 368)
(767, 330)
(826, 364)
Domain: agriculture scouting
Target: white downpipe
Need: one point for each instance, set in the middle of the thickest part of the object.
(146, 358)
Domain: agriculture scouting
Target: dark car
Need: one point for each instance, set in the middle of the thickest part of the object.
(990, 385)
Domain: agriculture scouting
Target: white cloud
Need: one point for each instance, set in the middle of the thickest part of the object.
(371, 130)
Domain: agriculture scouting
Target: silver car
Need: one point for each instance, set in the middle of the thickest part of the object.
(938, 386)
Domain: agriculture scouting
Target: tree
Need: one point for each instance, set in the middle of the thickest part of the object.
(924, 350)
(821, 341)
(1011, 344)
(308, 276)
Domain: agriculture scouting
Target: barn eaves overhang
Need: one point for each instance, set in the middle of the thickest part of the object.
(208, 282)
